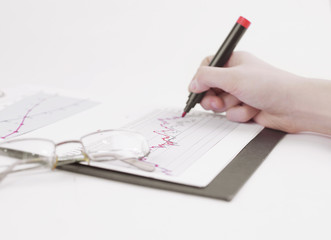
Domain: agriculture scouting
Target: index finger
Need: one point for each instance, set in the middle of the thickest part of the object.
(206, 61)
(226, 79)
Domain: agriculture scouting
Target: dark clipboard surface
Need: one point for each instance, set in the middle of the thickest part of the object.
(224, 186)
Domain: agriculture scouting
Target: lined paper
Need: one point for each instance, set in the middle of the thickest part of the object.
(190, 150)
(176, 142)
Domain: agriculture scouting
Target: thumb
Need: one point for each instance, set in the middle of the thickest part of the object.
(214, 77)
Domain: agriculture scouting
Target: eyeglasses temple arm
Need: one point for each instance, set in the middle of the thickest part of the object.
(18, 155)
(139, 164)
(11, 153)
(8, 170)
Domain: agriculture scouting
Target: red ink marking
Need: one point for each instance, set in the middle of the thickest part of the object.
(27, 115)
(24, 118)
(167, 139)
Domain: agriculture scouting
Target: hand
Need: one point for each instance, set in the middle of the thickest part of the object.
(250, 89)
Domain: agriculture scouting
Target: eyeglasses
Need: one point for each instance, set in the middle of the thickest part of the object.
(107, 145)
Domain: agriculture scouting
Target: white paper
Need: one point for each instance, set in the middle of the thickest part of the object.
(190, 150)
(37, 110)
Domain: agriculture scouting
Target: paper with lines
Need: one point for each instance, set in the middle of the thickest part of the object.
(38, 110)
(176, 142)
(190, 150)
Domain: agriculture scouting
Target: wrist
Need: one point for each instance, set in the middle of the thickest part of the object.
(312, 111)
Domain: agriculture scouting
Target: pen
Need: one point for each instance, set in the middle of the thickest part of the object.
(221, 57)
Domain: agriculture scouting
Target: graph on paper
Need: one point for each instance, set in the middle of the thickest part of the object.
(175, 142)
(191, 150)
(38, 110)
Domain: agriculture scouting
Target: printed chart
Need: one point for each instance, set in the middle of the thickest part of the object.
(37, 111)
(176, 142)
(191, 150)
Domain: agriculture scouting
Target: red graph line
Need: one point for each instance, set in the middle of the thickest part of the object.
(52, 110)
(165, 133)
(24, 118)
(167, 139)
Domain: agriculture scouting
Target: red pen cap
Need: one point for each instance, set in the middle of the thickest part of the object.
(243, 22)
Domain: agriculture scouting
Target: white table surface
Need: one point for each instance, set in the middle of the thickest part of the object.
(137, 55)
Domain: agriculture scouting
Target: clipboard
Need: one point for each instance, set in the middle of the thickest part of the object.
(224, 186)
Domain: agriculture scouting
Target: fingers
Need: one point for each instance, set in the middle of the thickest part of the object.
(226, 78)
(226, 85)
(211, 101)
(213, 77)
(229, 101)
(206, 61)
(235, 110)
(219, 102)
(241, 113)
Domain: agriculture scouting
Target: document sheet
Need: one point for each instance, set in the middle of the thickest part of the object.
(37, 110)
(190, 150)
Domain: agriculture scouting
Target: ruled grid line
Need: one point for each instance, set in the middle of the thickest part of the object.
(38, 110)
(23, 120)
(176, 142)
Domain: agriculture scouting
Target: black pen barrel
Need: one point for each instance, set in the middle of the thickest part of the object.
(221, 57)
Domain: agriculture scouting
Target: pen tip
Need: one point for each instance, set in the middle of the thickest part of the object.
(183, 115)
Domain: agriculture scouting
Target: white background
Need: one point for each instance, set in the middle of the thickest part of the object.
(137, 55)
